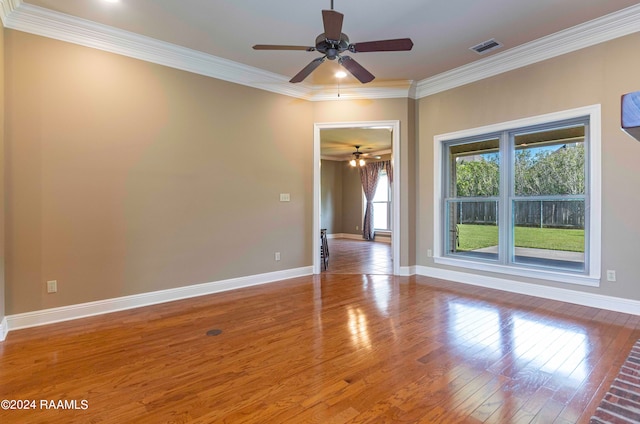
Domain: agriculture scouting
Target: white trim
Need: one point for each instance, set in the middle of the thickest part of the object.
(59, 26)
(605, 28)
(437, 196)
(395, 158)
(618, 304)
(4, 329)
(66, 313)
(380, 238)
(373, 90)
(383, 238)
(594, 199)
(345, 236)
(317, 165)
(407, 271)
(44, 22)
(7, 7)
(595, 190)
(36, 20)
(556, 276)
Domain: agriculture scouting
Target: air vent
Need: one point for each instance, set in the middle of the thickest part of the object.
(487, 46)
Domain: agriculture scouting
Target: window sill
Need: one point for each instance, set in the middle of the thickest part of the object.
(555, 276)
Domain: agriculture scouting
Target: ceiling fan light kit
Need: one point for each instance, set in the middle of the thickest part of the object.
(332, 43)
(357, 160)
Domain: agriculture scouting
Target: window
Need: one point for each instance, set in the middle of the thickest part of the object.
(523, 197)
(382, 203)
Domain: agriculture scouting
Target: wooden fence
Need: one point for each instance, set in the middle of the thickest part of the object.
(529, 213)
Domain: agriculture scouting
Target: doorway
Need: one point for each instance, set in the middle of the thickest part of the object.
(394, 127)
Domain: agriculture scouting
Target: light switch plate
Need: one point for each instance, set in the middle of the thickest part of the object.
(52, 286)
(285, 197)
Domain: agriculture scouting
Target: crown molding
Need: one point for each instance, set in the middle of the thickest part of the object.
(47, 23)
(7, 7)
(384, 90)
(21, 16)
(606, 28)
(40, 21)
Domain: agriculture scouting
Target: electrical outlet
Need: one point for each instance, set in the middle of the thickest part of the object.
(429, 253)
(357, 228)
(277, 256)
(52, 286)
(611, 275)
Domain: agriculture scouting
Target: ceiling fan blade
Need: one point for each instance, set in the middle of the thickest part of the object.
(332, 24)
(356, 69)
(399, 44)
(300, 76)
(279, 47)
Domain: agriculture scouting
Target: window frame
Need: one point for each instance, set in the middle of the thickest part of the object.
(387, 202)
(592, 274)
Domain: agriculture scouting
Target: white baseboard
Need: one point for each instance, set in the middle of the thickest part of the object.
(407, 271)
(379, 238)
(345, 236)
(610, 303)
(65, 313)
(83, 310)
(4, 329)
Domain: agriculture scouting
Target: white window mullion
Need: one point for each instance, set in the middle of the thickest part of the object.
(506, 187)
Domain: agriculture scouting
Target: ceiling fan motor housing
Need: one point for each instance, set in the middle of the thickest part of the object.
(332, 48)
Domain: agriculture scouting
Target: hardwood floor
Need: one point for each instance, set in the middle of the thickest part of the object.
(348, 256)
(333, 348)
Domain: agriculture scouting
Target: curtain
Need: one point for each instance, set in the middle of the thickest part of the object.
(389, 169)
(369, 178)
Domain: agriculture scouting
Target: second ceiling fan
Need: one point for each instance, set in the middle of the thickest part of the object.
(332, 43)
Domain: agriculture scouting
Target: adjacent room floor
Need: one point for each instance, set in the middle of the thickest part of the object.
(347, 256)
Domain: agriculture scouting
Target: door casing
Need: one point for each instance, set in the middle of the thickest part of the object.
(395, 157)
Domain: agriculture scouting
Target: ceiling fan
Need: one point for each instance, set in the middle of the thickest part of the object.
(357, 160)
(332, 43)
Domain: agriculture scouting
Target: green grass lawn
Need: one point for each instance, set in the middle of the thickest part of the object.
(478, 236)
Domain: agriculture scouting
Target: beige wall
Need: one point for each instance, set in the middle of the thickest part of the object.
(2, 179)
(331, 196)
(383, 110)
(599, 74)
(125, 177)
(351, 200)
(341, 198)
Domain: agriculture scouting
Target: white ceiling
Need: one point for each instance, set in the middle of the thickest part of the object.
(339, 143)
(442, 31)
